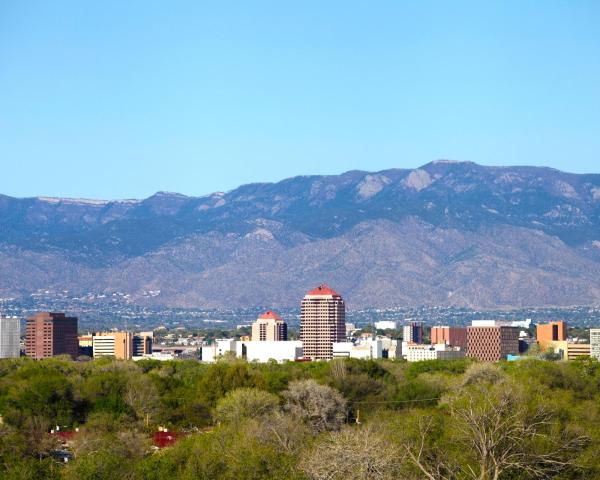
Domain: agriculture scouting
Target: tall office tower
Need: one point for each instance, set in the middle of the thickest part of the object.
(454, 336)
(551, 332)
(491, 341)
(269, 327)
(10, 337)
(413, 332)
(113, 344)
(142, 344)
(49, 334)
(322, 322)
(595, 343)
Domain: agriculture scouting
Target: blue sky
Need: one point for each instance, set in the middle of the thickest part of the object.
(118, 99)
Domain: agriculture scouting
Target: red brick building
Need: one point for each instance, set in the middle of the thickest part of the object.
(492, 343)
(49, 334)
(454, 336)
(322, 322)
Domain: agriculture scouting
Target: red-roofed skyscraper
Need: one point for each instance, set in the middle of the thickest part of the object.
(269, 327)
(322, 322)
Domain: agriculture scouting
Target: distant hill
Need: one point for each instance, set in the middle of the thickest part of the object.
(448, 233)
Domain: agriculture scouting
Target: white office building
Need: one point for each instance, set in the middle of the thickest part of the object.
(365, 349)
(219, 348)
(386, 325)
(417, 353)
(10, 337)
(595, 343)
(265, 351)
(391, 348)
(103, 346)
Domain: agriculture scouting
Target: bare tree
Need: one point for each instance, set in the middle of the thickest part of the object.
(421, 448)
(503, 436)
(283, 431)
(354, 453)
(321, 407)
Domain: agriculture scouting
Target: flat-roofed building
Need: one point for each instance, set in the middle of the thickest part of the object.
(218, 349)
(86, 345)
(551, 332)
(453, 336)
(266, 350)
(113, 344)
(142, 344)
(595, 343)
(269, 327)
(491, 342)
(570, 350)
(10, 337)
(413, 332)
(322, 322)
(367, 349)
(386, 325)
(440, 351)
(49, 334)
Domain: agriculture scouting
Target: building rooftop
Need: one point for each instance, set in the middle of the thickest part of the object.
(323, 290)
(269, 314)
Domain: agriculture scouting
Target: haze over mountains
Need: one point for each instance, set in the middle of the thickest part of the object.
(448, 233)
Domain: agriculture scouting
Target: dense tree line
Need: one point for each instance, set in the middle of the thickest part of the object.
(345, 419)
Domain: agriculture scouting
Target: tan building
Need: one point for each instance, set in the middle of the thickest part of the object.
(551, 332)
(570, 350)
(492, 343)
(49, 334)
(269, 327)
(113, 344)
(322, 322)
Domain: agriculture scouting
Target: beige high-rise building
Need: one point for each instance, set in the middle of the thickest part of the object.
(322, 322)
(113, 344)
(269, 327)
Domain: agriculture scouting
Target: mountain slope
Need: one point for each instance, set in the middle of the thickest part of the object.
(448, 233)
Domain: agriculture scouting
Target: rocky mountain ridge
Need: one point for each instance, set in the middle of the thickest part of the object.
(447, 233)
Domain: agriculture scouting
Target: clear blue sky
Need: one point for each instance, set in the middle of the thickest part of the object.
(119, 99)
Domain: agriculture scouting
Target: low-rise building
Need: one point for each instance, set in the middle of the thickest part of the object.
(365, 349)
(219, 348)
(86, 345)
(416, 353)
(386, 325)
(264, 351)
(595, 343)
(569, 350)
(390, 348)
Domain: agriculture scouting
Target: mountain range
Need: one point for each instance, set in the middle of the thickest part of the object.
(447, 233)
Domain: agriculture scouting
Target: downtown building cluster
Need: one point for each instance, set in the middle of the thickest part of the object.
(324, 335)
